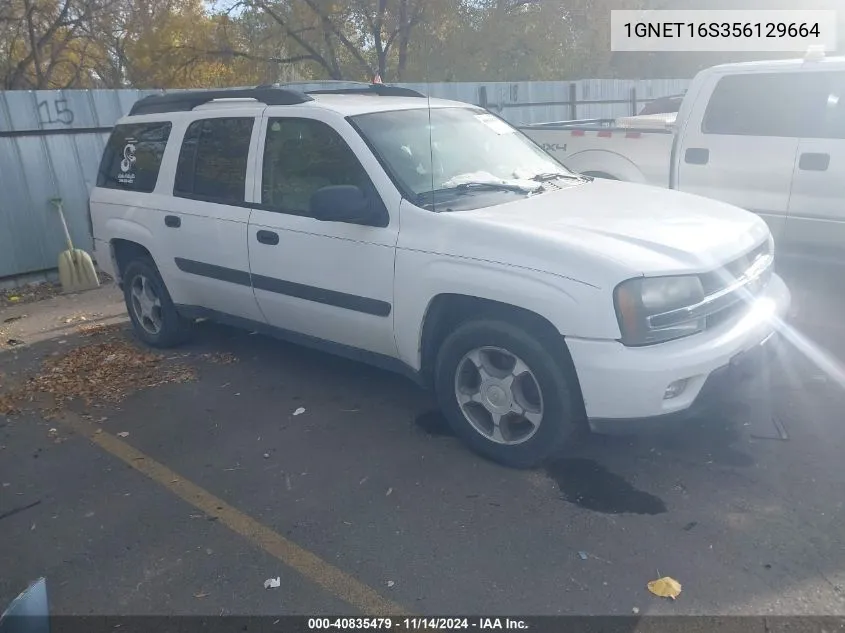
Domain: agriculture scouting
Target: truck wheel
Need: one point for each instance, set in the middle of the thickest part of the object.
(154, 317)
(504, 394)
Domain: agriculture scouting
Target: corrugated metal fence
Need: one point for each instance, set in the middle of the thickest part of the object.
(51, 141)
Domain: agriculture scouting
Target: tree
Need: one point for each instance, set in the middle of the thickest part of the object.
(352, 40)
(44, 43)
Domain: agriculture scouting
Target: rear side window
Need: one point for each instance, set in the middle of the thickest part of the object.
(133, 155)
(794, 105)
(213, 160)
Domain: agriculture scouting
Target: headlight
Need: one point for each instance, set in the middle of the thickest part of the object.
(641, 302)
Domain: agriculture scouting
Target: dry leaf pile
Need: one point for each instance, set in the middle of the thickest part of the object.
(100, 329)
(28, 294)
(103, 372)
(219, 358)
(38, 291)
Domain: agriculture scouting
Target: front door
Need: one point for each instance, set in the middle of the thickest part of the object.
(328, 280)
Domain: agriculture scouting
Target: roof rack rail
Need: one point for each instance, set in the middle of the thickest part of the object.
(358, 87)
(188, 100)
(382, 90)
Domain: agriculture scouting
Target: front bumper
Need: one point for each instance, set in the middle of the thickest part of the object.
(627, 384)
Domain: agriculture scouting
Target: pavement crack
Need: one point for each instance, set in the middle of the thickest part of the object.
(19, 509)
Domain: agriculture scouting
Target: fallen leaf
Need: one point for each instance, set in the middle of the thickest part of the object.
(14, 299)
(106, 371)
(665, 587)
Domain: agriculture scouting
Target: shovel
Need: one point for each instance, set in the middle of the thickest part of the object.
(76, 269)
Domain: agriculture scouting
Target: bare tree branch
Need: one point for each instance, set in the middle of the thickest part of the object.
(293, 34)
(349, 46)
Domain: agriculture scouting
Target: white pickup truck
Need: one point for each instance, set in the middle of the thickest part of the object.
(766, 136)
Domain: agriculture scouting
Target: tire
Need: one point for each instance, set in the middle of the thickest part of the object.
(142, 276)
(519, 447)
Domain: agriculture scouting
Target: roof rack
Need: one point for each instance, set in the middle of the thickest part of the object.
(360, 87)
(188, 100)
(269, 94)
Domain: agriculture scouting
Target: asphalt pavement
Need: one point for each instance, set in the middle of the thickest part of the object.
(192, 494)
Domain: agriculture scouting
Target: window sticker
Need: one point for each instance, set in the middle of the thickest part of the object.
(127, 172)
(495, 124)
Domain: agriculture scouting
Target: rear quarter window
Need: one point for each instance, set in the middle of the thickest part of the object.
(790, 104)
(133, 155)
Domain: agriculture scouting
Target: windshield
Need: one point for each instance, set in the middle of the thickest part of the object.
(429, 150)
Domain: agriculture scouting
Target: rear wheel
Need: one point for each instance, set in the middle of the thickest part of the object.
(504, 394)
(154, 317)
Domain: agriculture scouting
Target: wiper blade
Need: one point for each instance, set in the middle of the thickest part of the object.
(554, 175)
(500, 186)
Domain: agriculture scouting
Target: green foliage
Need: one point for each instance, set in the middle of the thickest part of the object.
(189, 43)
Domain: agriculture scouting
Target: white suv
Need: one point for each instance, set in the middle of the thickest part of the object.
(433, 238)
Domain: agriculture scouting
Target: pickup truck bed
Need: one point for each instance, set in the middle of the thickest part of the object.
(635, 149)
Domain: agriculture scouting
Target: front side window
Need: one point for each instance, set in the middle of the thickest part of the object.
(302, 156)
(133, 156)
(430, 150)
(213, 160)
(791, 105)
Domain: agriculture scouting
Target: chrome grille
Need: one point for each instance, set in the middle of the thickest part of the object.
(727, 291)
(731, 274)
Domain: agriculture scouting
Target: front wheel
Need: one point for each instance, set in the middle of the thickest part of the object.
(504, 394)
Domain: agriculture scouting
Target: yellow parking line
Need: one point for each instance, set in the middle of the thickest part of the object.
(309, 565)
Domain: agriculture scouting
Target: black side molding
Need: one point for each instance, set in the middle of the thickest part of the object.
(344, 300)
(240, 277)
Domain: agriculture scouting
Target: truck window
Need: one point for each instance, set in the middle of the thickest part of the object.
(302, 156)
(132, 157)
(791, 105)
(213, 159)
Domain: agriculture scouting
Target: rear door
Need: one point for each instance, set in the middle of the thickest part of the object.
(740, 148)
(205, 220)
(817, 202)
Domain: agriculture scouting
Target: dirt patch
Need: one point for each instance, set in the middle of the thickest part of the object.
(31, 293)
(102, 372)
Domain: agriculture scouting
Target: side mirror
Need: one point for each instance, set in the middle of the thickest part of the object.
(343, 203)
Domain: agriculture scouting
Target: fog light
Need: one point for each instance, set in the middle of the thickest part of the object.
(675, 389)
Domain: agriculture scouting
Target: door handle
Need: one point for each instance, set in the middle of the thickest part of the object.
(697, 156)
(268, 237)
(173, 221)
(814, 162)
